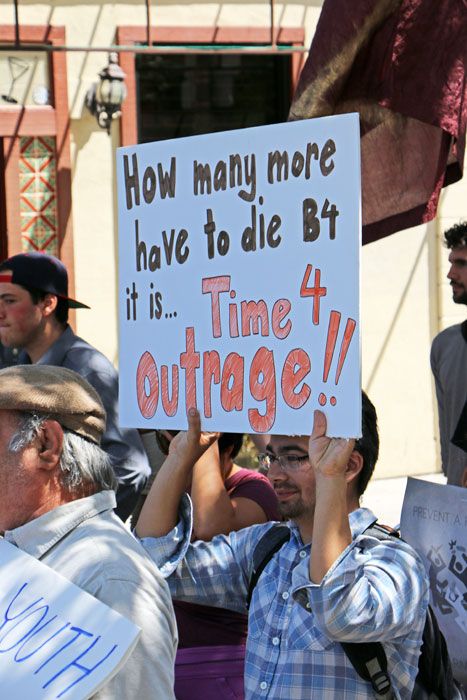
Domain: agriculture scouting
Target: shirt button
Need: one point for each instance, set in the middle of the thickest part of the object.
(308, 606)
(263, 685)
(302, 554)
(275, 641)
(285, 595)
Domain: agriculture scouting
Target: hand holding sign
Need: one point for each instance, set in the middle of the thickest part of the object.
(328, 456)
(188, 446)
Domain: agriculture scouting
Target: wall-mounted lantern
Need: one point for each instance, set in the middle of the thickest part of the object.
(104, 99)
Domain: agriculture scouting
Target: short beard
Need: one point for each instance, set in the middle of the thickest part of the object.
(292, 511)
(460, 298)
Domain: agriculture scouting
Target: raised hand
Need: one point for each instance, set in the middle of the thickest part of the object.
(160, 511)
(189, 445)
(330, 459)
(328, 456)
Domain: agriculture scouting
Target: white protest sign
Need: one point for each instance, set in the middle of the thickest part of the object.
(239, 278)
(56, 640)
(434, 522)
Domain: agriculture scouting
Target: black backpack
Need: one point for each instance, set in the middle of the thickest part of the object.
(434, 680)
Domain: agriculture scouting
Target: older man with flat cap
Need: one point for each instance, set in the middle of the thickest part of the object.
(34, 305)
(56, 504)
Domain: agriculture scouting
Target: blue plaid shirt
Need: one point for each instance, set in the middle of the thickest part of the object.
(376, 591)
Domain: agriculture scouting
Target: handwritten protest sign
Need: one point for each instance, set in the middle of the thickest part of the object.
(56, 640)
(239, 278)
(434, 522)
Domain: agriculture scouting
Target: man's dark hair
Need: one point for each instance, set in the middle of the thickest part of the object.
(225, 441)
(61, 310)
(234, 439)
(456, 236)
(368, 445)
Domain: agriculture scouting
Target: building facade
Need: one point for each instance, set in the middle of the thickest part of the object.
(211, 66)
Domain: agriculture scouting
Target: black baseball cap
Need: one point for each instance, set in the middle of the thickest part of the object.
(39, 271)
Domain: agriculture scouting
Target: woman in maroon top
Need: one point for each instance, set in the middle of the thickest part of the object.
(226, 497)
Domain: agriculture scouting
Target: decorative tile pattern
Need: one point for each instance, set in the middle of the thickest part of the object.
(38, 198)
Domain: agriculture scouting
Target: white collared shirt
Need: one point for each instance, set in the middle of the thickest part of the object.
(88, 544)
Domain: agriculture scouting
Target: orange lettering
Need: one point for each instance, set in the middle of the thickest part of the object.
(296, 366)
(214, 286)
(264, 390)
(147, 371)
(189, 361)
(211, 369)
(253, 311)
(232, 398)
(279, 311)
(170, 406)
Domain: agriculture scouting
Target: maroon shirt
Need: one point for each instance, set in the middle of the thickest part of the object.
(202, 625)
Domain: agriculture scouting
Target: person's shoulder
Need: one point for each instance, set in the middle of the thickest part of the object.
(448, 335)
(85, 359)
(248, 538)
(113, 553)
(81, 346)
(255, 487)
(243, 475)
(120, 574)
(385, 543)
(449, 342)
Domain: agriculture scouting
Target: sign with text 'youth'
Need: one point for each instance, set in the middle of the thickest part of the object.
(239, 278)
(56, 640)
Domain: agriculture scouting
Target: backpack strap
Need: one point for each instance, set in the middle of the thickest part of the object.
(381, 532)
(434, 678)
(434, 664)
(370, 661)
(369, 658)
(267, 546)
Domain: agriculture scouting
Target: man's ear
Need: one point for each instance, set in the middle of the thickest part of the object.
(51, 442)
(227, 451)
(49, 304)
(354, 466)
(225, 459)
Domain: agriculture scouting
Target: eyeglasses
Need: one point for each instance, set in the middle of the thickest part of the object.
(288, 463)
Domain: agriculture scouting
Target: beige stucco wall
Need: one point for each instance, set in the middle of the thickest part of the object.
(396, 336)
(93, 152)
(406, 301)
(405, 298)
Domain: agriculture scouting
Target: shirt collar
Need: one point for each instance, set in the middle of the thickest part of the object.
(359, 521)
(42, 533)
(55, 354)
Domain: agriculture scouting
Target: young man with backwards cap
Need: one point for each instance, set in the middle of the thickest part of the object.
(34, 305)
(56, 504)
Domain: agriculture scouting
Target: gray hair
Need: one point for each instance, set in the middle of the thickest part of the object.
(81, 461)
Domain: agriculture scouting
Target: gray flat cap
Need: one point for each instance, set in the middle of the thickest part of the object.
(56, 391)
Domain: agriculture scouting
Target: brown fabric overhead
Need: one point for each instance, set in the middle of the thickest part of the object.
(402, 65)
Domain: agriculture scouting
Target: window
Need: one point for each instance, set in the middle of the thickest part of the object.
(186, 94)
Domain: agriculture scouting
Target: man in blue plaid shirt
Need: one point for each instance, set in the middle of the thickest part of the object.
(329, 583)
